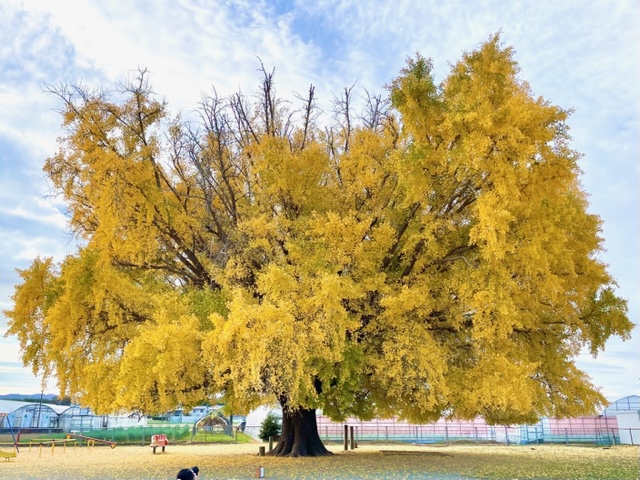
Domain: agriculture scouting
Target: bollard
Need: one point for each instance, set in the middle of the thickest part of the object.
(353, 441)
(261, 452)
(271, 443)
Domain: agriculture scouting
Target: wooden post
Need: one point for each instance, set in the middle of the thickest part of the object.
(261, 451)
(346, 438)
(270, 442)
(352, 439)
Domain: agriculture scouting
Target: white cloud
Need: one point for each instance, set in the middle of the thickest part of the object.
(617, 370)
(47, 215)
(185, 46)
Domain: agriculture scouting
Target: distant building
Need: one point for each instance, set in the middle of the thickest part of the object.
(21, 415)
(625, 404)
(78, 419)
(183, 416)
(627, 413)
(26, 415)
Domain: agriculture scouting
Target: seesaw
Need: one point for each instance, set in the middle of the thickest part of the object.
(90, 440)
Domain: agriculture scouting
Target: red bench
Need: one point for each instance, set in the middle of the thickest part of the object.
(158, 441)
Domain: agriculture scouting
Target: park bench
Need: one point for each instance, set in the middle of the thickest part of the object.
(7, 455)
(159, 440)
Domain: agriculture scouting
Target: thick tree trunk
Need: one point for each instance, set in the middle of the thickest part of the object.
(299, 436)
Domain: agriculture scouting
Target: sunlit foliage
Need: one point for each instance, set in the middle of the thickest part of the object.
(431, 256)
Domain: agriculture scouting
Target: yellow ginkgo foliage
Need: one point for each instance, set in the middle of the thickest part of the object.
(436, 259)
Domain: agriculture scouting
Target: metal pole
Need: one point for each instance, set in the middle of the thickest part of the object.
(353, 442)
(39, 409)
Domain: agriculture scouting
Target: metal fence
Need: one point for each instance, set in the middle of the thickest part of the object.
(176, 434)
(448, 434)
(367, 432)
(587, 430)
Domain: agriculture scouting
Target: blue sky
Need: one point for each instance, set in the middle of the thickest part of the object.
(580, 55)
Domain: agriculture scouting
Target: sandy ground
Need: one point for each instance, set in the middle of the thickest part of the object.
(241, 461)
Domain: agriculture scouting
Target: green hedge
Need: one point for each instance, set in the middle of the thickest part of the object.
(175, 434)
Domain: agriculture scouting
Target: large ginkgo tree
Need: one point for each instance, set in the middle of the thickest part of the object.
(423, 255)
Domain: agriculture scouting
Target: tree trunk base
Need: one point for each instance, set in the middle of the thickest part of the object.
(299, 437)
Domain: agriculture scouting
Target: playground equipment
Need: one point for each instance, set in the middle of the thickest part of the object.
(8, 455)
(5, 417)
(39, 442)
(90, 440)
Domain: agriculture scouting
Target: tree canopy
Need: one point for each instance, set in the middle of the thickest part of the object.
(429, 255)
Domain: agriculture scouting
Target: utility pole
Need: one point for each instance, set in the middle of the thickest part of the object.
(39, 409)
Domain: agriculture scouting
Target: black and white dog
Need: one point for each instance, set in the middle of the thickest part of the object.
(188, 474)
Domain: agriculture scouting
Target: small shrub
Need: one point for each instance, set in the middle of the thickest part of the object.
(270, 428)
